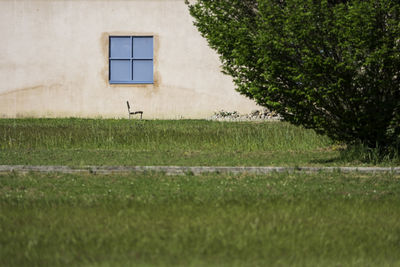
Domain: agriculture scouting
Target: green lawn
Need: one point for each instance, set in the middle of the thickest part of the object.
(80, 142)
(151, 219)
(323, 219)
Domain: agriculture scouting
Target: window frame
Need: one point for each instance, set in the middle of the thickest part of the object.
(131, 59)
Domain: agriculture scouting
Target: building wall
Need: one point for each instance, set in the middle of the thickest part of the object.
(54, 61)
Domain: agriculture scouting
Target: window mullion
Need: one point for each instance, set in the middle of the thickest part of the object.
(131, 69)
(131, 65)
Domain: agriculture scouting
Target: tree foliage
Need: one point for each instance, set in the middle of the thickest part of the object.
(330, 65)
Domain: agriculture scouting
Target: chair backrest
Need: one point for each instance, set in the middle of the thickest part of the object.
(129, 107)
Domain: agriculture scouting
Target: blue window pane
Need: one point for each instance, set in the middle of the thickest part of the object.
(120, 70)
(120, 47)
(142, 71)
(143, 47)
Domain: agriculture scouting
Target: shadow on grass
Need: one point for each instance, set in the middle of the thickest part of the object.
(334, 160)
(356, 156)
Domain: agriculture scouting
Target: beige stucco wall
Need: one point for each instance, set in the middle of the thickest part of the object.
(54, 61)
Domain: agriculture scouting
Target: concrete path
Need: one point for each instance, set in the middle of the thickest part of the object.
(176, 170)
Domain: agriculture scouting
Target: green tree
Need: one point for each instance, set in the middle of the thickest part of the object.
(330, 65)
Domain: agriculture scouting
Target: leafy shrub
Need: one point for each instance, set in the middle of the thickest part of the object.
(330, 65)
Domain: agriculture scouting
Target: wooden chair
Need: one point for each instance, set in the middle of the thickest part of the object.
(133, 112)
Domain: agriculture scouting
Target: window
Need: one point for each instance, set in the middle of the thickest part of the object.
(131, 59)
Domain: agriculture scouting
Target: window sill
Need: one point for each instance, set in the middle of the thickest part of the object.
(115, 82)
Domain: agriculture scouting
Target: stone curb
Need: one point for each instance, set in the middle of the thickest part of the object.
(176, 170)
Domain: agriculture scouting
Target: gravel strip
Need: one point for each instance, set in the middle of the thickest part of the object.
(177, 170)
(255, 115)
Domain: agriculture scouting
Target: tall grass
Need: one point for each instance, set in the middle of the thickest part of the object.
(182, 142)
(361, 153)
(156, 135)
